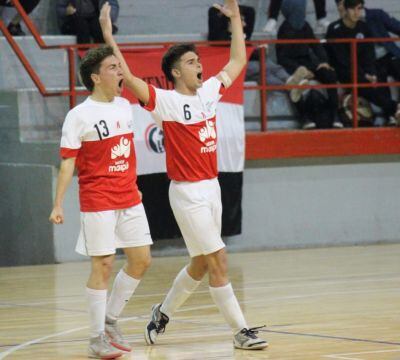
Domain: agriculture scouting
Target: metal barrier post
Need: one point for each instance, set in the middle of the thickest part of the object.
(263, 91)
(355, 81)
(72, 82)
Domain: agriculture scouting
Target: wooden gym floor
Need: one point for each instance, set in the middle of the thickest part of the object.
(327, 303)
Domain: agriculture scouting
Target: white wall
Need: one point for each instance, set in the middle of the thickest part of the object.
(295, 205)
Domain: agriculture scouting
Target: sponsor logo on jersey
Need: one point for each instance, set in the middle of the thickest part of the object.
(121, 150)
(155, 139)
(207, 135)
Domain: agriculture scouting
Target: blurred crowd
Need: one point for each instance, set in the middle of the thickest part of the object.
(295, 64)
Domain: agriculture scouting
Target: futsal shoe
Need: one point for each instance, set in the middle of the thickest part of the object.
(101, 348)
(247, 339)
(270, 27)
(115, 336)
(322, 26)
(156, 325)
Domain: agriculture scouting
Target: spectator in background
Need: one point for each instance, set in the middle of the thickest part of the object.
(275, 7)
(351, 26)
(380, 24)
(14, 26)
(219, 30)
(81, 18)
(310, 57)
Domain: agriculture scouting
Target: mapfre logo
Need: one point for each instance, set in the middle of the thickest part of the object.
(155, 139)
(123, 149)
(208, 135)
(208, 131)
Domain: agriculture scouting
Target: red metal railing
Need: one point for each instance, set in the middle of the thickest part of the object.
(253, 150)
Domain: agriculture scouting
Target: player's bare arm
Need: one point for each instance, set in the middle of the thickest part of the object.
(64, 179)
(138, 87)
(238, 58)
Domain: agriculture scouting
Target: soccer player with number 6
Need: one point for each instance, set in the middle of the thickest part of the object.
(187, 115)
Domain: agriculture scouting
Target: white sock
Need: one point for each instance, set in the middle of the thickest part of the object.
(97, 302)
(226, 301)
(123, 288)
(184, 286)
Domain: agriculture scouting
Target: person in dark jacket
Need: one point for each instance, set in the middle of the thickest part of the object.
(380, 25)
(351, 26)
(81, 18)
(311, 56)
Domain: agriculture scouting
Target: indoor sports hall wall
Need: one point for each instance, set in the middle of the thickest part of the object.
(294, 203)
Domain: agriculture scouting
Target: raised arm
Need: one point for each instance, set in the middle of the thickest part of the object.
(238, 58)
(138, 87)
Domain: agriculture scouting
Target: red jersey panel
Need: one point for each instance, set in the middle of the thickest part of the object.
(100, 136)
(190, 134)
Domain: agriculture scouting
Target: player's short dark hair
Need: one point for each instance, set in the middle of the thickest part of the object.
(172, 56)
(91, 63)
(350, 4)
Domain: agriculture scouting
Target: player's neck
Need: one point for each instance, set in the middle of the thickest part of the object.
(349, 23)
(101, 96)
(184, 90)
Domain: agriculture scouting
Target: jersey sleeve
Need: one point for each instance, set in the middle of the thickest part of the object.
(214, 88)
(159, 103)
(71, 137)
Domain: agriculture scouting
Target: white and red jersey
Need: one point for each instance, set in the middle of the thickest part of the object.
(100, 136)
(190, 132)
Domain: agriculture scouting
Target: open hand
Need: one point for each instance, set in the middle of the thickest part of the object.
(105, 19)
(229, 9)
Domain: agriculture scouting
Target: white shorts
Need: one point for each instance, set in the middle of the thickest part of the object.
(198, 211)
(103, 232)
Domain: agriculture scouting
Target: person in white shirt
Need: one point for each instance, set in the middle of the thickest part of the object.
(187, 115)
(97, 139)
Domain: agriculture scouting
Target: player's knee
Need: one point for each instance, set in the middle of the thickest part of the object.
(197, 271)
(218, 269)
(106, 268)
(139, 266)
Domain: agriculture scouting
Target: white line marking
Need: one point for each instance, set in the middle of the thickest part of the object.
(36, 341)
(343, 356)
(237, 289)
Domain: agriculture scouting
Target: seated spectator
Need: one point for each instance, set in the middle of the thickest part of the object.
(311, 58)
(380, 24)
(14, 25)
(275, 7)
(351, 26)
(219, 29)
(81, 18)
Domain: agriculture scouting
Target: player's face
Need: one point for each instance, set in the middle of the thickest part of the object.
(191, 70)
(110, 76)
(355, 14)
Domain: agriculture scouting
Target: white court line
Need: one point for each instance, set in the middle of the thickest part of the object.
(344, 356)
(36, 341)
(62, 300)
